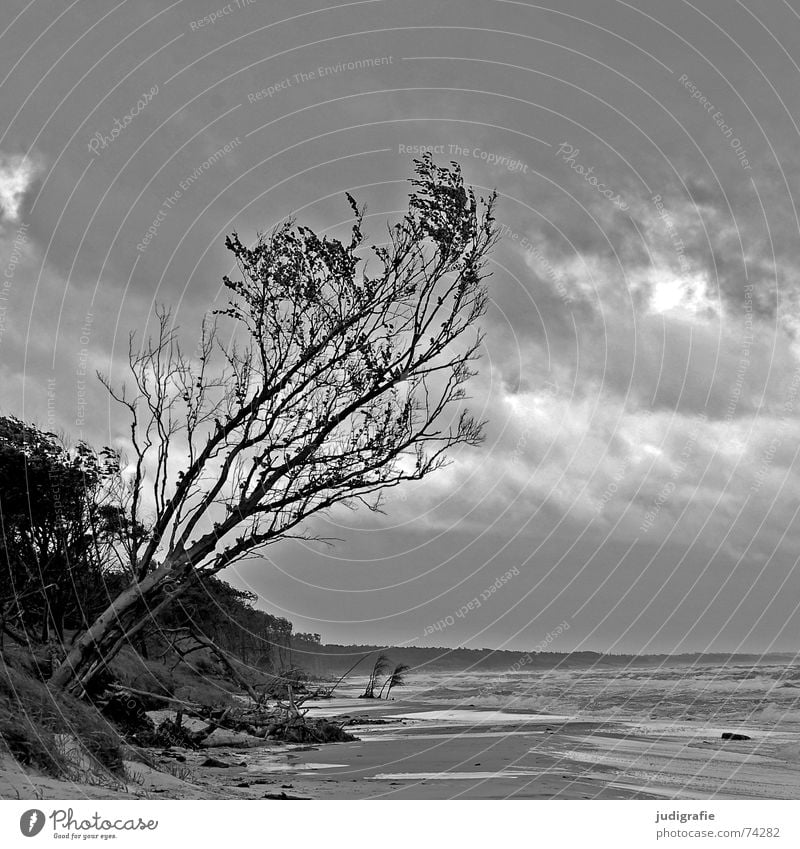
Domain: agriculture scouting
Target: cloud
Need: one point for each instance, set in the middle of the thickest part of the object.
(16, 175)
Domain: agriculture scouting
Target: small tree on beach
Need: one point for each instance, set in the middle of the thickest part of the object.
(396, 679)
(379, 669)
(343, 379)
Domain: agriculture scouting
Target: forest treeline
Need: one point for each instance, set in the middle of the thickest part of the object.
(63, 559)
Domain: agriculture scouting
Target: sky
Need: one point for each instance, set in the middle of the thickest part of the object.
(640, 371)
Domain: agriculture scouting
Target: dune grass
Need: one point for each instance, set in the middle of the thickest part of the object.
(32, 716)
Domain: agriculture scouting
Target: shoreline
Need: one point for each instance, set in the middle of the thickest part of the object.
(411, 749)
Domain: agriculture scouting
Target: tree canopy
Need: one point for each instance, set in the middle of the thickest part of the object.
(345, 376)
(56, 527)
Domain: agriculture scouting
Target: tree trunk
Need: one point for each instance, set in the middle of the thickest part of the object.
(57, 613)
(127, 614)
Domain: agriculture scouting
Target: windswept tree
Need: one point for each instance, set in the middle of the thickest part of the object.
(379, 669)
(396, 679)
(346, 376)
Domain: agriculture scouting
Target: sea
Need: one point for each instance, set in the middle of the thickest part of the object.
(763, 696)
(659, 728)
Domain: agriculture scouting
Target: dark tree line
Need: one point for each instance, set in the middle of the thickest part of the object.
(58, 568)
(63, 557)
(215, 610)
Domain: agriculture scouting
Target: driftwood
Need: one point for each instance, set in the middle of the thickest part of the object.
(283, 721)
(174, 733)
(169, 732)
(293, 726)
(120, 688)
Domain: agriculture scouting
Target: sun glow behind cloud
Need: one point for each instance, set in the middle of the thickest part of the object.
(17, 173)
(681, 294)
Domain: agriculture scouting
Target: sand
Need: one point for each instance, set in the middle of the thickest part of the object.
(416, 751)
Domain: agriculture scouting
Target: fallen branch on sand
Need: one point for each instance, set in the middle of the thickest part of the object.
(293, 727)
(284, 721)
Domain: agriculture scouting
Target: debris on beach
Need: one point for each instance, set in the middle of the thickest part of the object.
(216, 763)
(244, 726)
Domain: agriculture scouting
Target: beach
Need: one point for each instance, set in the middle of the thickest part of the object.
(411, 754)
(626, 734)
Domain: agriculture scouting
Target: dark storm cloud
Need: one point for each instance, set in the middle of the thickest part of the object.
(631, 345)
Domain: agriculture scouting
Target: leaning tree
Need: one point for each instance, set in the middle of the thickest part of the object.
(344, 376)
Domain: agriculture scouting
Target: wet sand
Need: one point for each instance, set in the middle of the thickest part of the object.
(475, 753)
(409, 750)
